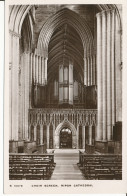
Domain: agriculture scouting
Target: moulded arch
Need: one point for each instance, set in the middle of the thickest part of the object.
(65, 16)
(17, 16)
(69, 125)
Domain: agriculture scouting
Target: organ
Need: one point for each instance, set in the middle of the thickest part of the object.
(66, 83)
(63, 89)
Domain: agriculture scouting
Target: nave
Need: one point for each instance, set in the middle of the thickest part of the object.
(65, 93)
(65, 164)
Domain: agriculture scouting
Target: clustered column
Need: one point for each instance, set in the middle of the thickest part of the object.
(14, 82)
(39, 70)
(105, 79)
(90, 70)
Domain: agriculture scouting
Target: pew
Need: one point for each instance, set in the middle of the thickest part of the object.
(31, 167)
(100, 166)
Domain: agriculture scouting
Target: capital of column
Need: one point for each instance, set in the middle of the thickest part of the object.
(112, 11)
(98, 15)
(45, 58)
(14, 34)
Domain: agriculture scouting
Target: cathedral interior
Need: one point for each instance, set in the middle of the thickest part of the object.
(65, 79)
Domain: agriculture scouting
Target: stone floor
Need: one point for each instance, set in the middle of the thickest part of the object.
(66, 165)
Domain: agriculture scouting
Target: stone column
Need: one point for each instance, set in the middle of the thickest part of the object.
(37, 69)
(104, 74)
(77, 136)
(41, 134)
(88, 71)
(109, 110)
(99, 77)
(53, 135)
(47, 136)
(83, 136)
(10, 84)
(91, 70)
(113, 65)
(39, 75)
(90, 134)
(85, 71)
(15, 87)
(10, 101)
(34, 68)
(35, 130)
(31, 78)
(94, 69)
(95, 132)
(45, 60)
(27, 90)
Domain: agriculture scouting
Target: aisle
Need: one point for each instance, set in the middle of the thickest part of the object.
(66, 165)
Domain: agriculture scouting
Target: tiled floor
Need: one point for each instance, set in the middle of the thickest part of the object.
(66, 165)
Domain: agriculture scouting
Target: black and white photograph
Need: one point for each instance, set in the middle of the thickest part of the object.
(65, 92)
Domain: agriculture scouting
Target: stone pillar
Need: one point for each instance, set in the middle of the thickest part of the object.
(88, 73)
(10, 100)
(104, 74)
(85, 72)
(41, 134)
(94, 69)
(35, 127)
(53, 136)
(90, 134)
(83, 136)
(10, 84)
(109, 84)
(91, 70)
(45, 60)
(40, 72)
(113, 65)
(99, 77)
(95, 132)
(31, 79)
(27, 89)
(47, 136)
(15, 87)
(34, 68)
(77, 136)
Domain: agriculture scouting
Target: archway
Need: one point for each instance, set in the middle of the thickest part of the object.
(69, 127)
(65, 138)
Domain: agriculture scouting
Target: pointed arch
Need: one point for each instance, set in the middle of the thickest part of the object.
(67, 124)
(64, 16)
(62, 125)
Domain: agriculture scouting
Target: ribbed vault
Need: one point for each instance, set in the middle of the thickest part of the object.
(65, 45)
(63, 17)
(17, 14)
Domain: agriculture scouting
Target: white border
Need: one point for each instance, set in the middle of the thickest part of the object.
(105, 186)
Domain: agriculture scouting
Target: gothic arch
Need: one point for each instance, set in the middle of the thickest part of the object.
(17, 16)
(69, 125)
(62, 17)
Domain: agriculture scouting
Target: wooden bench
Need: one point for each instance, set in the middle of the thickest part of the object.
(95, 165)
(105, 177)
(15, 176)
(31, 166)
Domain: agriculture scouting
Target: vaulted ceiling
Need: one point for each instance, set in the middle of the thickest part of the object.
(65, 45)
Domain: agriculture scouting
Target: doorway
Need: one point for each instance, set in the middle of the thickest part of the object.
(65, 138)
